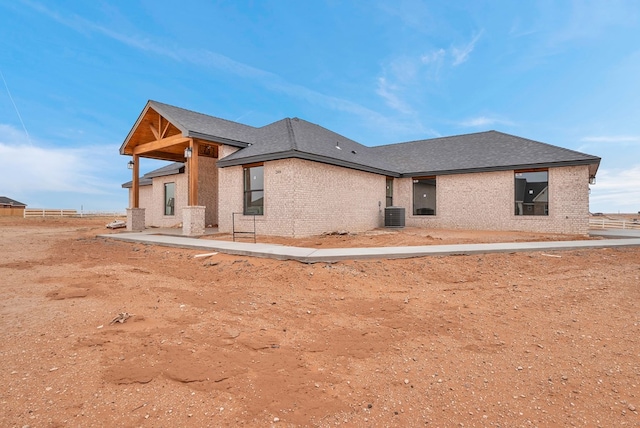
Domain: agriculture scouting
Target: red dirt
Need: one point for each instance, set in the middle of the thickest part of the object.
(540, 339)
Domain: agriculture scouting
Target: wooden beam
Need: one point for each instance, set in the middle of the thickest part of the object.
(165, 156)
(160, 144)
(154, 131)
(135, 184)
(164, 131)
(193, 173)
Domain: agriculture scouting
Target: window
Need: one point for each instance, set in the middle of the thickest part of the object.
(254, 190)
(532, 192)
(424, 196)
(389, 192)
(169, 198)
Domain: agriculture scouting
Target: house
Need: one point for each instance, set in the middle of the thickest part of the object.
(295, 178)
(10, 207)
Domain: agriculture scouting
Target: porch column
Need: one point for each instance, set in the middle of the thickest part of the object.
(135, 214)
(193, 221)
(193, 215)
(135, 219)
(135, 182)
(192, 163)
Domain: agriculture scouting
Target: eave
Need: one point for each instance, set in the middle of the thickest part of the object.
(289, 154)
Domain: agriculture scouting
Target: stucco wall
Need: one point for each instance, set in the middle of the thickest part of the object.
(486, 201)
(304, 198)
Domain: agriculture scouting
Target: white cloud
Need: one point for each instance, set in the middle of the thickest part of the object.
(435, 56)
(612, 139)
(591, 18)
(602, 142)
(40, 172)
(209, 59)
(616, 190)
(406, 75)
(389, 93)
(461, 54)
(433, 61)
(483, 121)
(412, 13)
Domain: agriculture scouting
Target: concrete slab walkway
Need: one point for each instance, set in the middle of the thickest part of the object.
(313, 255)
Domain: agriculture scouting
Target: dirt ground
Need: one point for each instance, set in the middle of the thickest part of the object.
(522, 339)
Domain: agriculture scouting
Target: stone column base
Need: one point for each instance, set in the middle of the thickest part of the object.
(193, 221)
(135, 219)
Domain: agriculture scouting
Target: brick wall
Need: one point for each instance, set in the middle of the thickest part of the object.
(152, 200)
(486, 201)
(208, 189)
(157, 208)
(304, 198)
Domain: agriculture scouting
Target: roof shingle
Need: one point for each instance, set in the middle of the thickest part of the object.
(297, 138)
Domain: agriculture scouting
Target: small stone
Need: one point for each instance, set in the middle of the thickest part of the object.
(406, 381)
(276, 419)
(565, 377)
(632, 407)
(519, 368)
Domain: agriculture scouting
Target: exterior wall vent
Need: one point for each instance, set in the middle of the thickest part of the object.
(394, 217)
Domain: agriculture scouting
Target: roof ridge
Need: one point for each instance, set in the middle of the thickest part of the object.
(200, 114)
(292, 135)
(441, 138)
(546, 144)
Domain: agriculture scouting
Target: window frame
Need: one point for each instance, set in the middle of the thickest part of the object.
(169, 202)
(425, 211)
(389, 191)
(249, 208)
(530, 209)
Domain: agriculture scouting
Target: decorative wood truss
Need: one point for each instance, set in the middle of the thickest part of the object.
(155, 137)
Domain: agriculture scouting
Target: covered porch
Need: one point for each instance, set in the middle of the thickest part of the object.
(158, 135)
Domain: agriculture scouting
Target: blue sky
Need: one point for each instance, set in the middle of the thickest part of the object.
(76, 75)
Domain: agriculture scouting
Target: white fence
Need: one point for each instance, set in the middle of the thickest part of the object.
(607, 223)
(54, 212)
(101, 214)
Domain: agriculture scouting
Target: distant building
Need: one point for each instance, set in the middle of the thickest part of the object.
(10, 207)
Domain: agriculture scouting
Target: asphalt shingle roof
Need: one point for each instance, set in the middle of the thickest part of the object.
(198, 125)
(146, 180)
(8, 201)
(297, 138)
(301, 139)
(490, 150)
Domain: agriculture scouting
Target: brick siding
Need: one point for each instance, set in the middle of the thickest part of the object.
(485, 201)
(304, 198)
